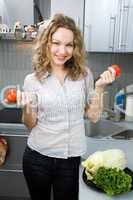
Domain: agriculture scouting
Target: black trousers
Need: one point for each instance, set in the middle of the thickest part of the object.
(43, 173)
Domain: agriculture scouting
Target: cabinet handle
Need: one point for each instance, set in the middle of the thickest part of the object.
(11, 170)
(120, 26)
(125, 17)
(88, 36)
(78, 21)
(112, 32)
(122, 35)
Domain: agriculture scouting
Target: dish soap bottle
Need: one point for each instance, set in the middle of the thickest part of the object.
(119, 105)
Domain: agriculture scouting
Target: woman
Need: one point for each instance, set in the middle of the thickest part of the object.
(64, 90)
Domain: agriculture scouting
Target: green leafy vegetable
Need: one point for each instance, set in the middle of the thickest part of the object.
(113, 181)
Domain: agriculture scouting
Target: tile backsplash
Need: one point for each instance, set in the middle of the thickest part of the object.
(15, 63)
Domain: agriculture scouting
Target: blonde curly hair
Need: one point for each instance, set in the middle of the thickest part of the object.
(41, 55)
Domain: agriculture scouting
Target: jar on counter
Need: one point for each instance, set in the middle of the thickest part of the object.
(129, 108)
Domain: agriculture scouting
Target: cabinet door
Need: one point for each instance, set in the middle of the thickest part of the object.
(72, 8)
(128, 15)
(13, 186)
(18, 10)
(123, 28)
(100, 23)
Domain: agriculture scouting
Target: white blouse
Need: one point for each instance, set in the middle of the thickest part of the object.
(60, 128)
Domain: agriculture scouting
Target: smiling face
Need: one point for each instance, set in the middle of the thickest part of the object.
(61, 48)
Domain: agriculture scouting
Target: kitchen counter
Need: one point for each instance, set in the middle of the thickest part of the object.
(95, 144)
(13, 128)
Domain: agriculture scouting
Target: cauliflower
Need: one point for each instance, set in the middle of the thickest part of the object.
(112, 158)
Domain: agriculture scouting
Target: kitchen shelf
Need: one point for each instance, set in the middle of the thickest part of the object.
(11, 37)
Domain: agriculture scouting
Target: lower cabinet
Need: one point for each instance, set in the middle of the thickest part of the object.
(12, 181)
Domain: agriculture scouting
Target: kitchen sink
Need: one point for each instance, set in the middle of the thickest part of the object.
(124, 135)
(103, 128)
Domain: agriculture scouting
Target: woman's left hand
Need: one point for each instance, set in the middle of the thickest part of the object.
(107, 77)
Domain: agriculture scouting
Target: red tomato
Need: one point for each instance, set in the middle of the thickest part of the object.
(117, 70)
(11, 96)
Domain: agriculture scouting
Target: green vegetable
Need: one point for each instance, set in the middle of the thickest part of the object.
(113, 181)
